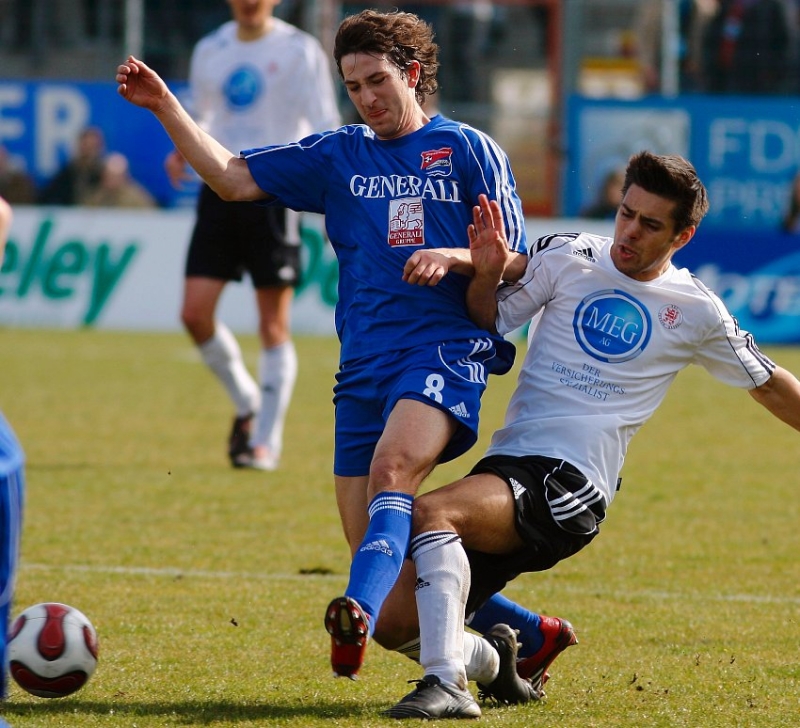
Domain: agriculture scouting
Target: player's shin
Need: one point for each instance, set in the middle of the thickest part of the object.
(443, 582)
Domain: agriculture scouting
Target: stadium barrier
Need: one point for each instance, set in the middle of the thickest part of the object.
(123, 270)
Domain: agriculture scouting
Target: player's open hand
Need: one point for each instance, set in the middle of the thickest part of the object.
(487, 238)
(141, 85)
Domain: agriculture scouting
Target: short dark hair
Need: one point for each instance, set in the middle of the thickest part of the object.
(401, 37)
(674, 178)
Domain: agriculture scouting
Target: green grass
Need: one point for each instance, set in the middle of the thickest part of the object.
(207, 585)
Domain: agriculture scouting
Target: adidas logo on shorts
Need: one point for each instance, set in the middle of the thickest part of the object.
(460, 410)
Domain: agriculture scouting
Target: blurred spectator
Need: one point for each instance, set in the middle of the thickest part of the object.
(16, 185)
(746, 48)
(81, 174)
(693, 17)
(791, 219)
(117, 187)
(605, 207)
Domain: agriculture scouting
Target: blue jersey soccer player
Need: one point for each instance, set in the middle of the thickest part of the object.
(413, 365)
(12, 490)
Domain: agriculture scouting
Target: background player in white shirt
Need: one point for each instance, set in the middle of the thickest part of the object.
(255, 80)
(617, 322)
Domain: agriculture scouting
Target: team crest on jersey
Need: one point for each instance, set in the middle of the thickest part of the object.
(242, 87)
(406, 222)
(438, 162)
(670, 316)
(612, 326)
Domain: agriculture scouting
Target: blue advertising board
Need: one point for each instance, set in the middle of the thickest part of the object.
(39, 122)
(745, 149)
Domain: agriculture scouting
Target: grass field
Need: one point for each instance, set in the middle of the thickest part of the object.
(207, 585)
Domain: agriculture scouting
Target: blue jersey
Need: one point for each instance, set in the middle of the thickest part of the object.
(12, 495)
(382, 200)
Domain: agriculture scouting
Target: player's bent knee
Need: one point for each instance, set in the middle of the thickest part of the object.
(430, 513)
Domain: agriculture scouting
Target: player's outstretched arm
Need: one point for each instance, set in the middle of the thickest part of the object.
(780, 394)
(224, 172)
(428, 267)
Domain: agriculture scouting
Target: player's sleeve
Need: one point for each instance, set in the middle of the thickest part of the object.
(491, 175)
(297, 174)
(519, 302)
(728, 353)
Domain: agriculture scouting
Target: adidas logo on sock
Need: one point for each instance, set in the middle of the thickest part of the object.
(460, 410)
(380, 545)
(421, 584)
(517, 487)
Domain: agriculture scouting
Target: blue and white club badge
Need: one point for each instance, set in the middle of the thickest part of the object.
(243, 87)
(612, 326)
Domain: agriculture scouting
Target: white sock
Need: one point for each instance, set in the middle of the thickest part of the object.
(480, 658)
(277, 371)
(222, 355)
(443, 581)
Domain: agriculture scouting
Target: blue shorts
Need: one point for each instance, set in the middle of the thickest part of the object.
(450, 375)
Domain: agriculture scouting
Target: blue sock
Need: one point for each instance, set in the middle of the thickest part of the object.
(377, 563)
(499, 610)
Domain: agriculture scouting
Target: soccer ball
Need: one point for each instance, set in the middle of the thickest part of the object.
(52, 650)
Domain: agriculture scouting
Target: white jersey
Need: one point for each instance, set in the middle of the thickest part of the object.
(605, 350)
(273, 90)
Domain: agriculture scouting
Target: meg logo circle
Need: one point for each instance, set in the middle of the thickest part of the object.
(612, 326)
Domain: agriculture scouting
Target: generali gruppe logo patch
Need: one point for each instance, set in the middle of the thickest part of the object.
(612, 326)
(438, 162)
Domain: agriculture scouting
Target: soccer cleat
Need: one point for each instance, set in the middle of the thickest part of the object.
(430, 699)
(348, 626)
(558, 635)
(508, 688)
(239, 440)
(256, 458)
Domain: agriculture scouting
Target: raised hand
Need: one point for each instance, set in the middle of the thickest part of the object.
(141, 85)
(487, 239)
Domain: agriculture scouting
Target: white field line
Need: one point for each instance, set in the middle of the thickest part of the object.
(173, 573)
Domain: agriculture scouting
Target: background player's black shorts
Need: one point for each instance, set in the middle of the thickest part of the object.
(547, 481)
(230, 238)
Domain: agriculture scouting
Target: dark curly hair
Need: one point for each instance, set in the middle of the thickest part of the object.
(673, 178)
(401, 37)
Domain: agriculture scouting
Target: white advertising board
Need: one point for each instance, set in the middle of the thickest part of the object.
(123, 269)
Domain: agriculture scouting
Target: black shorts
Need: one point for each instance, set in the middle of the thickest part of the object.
(230, 238)
(557, 509)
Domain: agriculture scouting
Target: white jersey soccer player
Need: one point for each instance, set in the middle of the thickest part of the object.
(583, 377)
(254, 80)
(236, 85)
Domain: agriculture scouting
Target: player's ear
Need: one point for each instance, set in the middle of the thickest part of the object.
(684, 236)
(413, 73)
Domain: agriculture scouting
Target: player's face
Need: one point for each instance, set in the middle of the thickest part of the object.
(252, 15)
(644, 235)
(382, 95)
